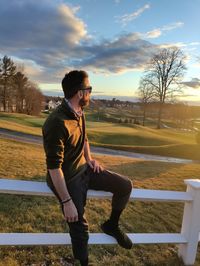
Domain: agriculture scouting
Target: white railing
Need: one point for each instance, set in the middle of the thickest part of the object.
(188, 238)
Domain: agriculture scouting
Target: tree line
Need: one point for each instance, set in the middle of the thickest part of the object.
(17, 92)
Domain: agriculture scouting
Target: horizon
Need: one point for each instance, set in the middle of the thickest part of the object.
(122, 98)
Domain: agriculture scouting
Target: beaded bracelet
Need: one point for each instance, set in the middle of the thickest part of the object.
(63, 201)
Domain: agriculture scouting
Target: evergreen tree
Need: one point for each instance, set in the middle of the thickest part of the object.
(21, 85)
(7, 73)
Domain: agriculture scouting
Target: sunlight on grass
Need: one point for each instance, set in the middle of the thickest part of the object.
(20, 128)
(164, 142)
(43, 214)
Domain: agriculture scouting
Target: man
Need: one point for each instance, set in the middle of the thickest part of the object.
(71, 171)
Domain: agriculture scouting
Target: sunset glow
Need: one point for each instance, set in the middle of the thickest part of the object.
(112, 40)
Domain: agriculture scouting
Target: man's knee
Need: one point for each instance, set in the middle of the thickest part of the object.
(127, 186)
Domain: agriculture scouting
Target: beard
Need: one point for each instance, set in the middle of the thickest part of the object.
(83, 102)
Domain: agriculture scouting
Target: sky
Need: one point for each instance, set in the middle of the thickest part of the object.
(110, 39)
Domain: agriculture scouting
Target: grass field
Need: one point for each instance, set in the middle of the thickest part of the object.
(21, 213)
(129, 137)
(22, 123)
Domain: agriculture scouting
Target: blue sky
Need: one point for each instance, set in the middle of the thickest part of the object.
(112, 40)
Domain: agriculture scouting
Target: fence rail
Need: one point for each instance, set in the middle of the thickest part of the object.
(187, 239)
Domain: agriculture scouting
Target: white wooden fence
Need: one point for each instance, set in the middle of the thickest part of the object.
(188, 238)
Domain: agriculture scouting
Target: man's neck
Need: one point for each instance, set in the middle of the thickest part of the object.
(75, 105)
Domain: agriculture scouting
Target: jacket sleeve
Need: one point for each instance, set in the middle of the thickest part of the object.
(54, 138)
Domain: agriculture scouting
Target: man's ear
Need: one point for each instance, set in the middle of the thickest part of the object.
(80, 94)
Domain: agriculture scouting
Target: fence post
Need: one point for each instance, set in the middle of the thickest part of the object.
(191, 223)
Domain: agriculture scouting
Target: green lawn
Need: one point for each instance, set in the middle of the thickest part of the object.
(130, 137)
(27, 120)
(20, 213)
(22, 123)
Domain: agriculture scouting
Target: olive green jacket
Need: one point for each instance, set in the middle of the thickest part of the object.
(63, 141)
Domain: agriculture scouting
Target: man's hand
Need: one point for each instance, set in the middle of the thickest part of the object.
(95, 165)
(70, 212)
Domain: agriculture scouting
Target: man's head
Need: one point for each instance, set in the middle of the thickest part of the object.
(76, 85)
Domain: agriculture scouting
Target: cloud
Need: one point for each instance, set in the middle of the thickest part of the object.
(50, 38)
(53, 40)
(195, 43)
(159, 31)
(179, 44)
(153, 34)
(125, 19)
(125, 53)
(196, 65)
(74, 28)
(33, 25)
(44, 32)
(32, 69)
(194, 83)
(172, 26)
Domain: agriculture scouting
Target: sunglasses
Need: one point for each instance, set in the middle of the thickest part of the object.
(89, 89)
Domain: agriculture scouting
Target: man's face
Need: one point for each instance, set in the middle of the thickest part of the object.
(84, 101)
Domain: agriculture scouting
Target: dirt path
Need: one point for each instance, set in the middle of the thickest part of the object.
(28, 138)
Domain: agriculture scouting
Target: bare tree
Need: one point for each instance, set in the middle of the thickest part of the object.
(164, 73)
(146, 94)
(33, 100)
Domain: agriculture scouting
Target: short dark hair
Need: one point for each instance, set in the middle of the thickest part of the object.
(72, 82)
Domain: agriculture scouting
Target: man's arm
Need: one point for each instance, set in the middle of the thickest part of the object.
(54, 137)
(59, 183)
(69, 209)
(87, 153)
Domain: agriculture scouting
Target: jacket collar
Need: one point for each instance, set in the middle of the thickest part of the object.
(73, 110)
(69, 110)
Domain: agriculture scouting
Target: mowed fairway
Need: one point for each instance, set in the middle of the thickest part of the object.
(22, 123)
(165, 142)
(21, 213)
(110, 133)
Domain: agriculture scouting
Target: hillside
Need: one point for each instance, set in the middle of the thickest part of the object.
(130, 137)
(42, 214)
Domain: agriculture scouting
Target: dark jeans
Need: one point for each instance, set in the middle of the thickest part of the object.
(120, 186)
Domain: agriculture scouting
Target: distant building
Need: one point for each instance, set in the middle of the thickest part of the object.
(53, 104)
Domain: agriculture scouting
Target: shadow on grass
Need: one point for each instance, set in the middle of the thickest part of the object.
(142, 170)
